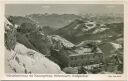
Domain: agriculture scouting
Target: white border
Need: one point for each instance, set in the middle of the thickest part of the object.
(90, 76)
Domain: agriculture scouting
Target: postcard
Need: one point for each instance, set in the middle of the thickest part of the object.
(63, 40)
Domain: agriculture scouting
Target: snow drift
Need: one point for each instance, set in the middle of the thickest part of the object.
(24, 60)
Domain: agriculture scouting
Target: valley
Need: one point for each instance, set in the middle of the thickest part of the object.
(35, 44)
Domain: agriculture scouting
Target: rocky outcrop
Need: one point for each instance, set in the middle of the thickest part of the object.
(24, 60)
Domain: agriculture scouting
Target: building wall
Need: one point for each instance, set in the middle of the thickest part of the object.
(85, 59)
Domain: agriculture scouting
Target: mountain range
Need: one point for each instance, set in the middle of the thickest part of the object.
(81, 30)
(53, 20)
(42, 34)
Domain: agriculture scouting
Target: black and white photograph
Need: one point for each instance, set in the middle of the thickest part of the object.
(56, 80)
(64, 38)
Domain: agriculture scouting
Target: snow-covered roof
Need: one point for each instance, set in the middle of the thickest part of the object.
(80, 54)
(84, 51)
(83, 43)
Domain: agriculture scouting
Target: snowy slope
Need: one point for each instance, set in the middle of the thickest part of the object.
(99, 30)
(116, 46)
(62, 40)
(24, 60)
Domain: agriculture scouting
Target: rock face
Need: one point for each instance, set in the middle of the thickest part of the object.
(56, 39)
(40, 42)
(9, 35)
(29, 46)
(24, 60)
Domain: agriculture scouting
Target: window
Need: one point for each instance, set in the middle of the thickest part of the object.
(82, 57)
(88, 57)
(75, 58)
(72, 65)
(93, 56)
(72, 58)
(100, 56)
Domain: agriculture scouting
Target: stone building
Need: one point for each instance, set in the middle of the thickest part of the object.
(76, 55)
(83, 56)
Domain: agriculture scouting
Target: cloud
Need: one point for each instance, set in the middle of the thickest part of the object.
(110, 6)
(46, 7)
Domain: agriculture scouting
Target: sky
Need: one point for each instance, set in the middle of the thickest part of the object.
(25, 9)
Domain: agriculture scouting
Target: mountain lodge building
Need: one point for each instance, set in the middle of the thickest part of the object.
(85, 56)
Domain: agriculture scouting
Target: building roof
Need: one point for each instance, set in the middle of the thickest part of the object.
(84, 51)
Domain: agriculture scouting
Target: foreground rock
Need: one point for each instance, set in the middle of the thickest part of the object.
(24, 60)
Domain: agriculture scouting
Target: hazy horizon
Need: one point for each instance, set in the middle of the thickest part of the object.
(25, 9)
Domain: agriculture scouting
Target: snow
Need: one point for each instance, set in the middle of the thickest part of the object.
(89, 27)
(84, 29)
(24, 60)
(99, 50)
(109, 36)
(83, 43)
(7, 24)
(91, 66)
(116, 46)
(76, 27)
(16, 26)
(83, 50)
(21, 49)
(102, 25)
(77, 54)
(99, 30)
(89, 22)
(69, 20)
(63, 41)
(41, 33)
